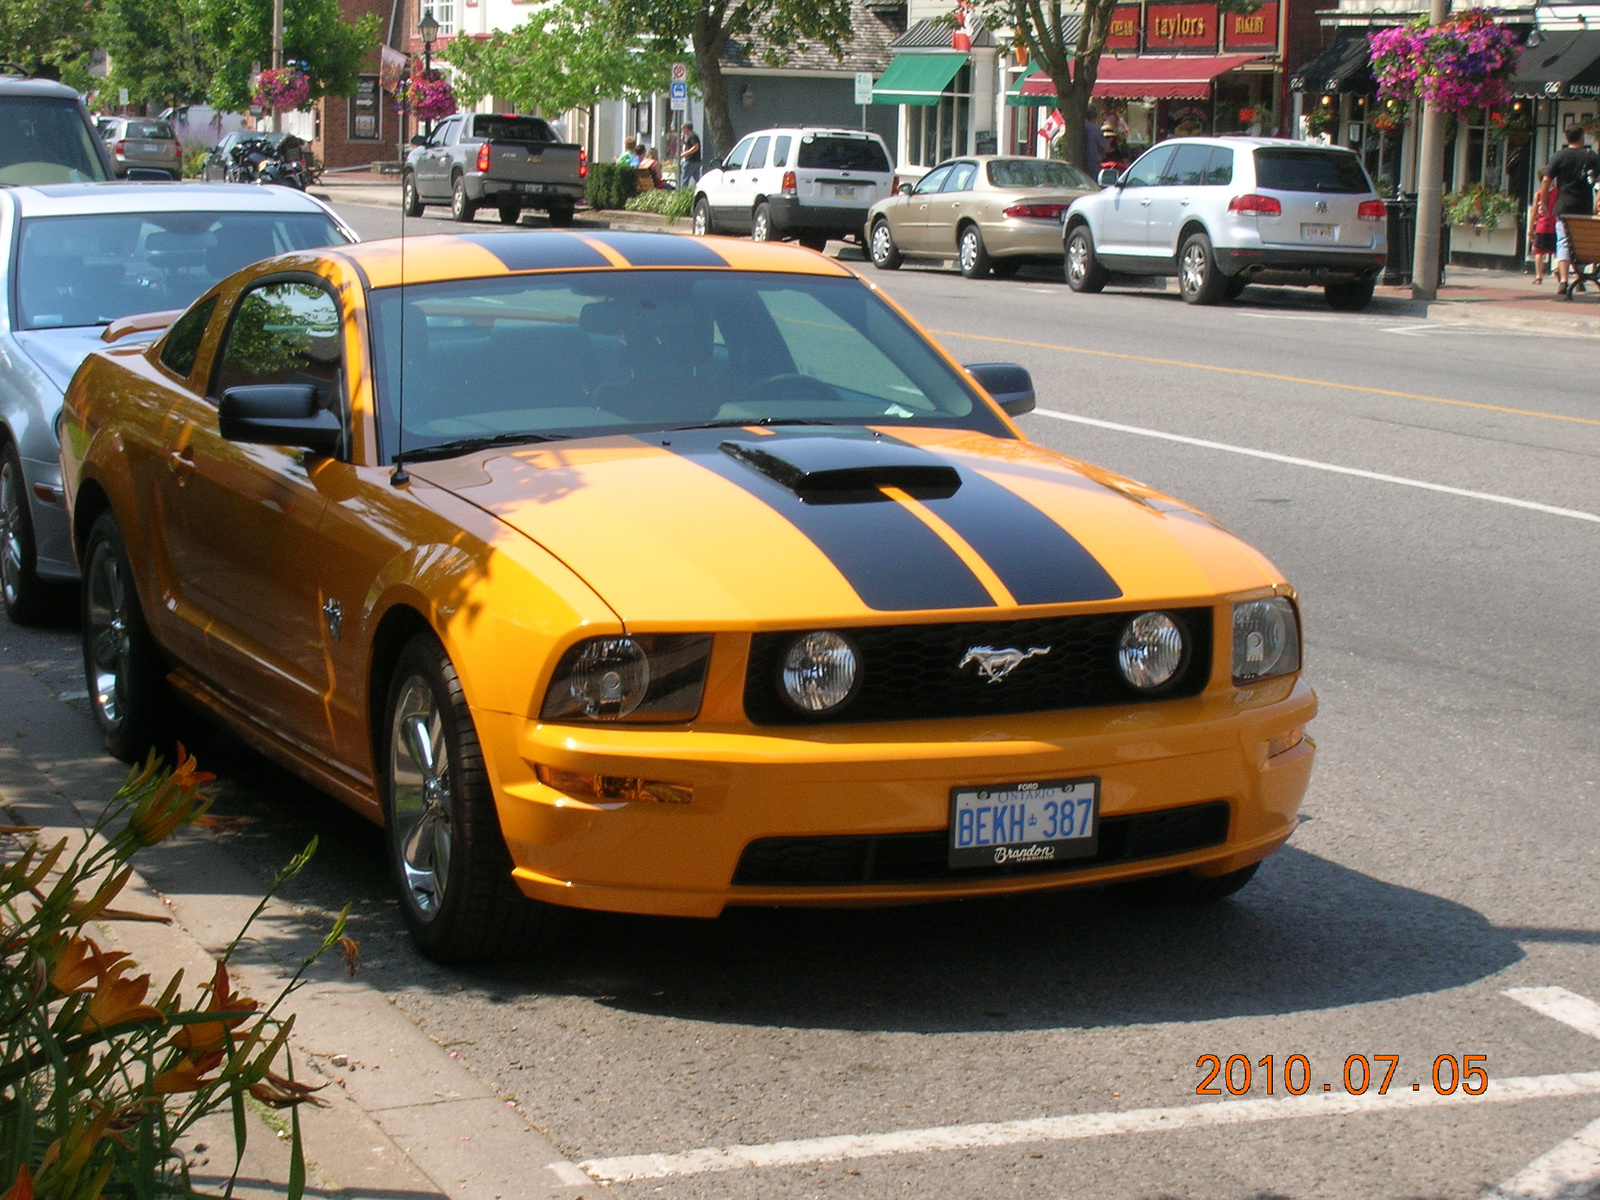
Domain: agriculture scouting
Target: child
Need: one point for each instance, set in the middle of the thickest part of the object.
(1544, 232)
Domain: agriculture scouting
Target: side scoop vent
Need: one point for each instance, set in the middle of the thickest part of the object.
(843, 470)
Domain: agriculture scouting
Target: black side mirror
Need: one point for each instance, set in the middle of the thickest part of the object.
(1010, 385)
(712, 164)
(418, 140)
(280, 414)
(1108, 177)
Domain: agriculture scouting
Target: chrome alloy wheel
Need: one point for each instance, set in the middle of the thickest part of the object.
(702, 221)
(1192, 270)
(110, 645)
(11, 527)
(421, 800)
(1077, 259)
(882, 241)
(761, 226)
(969, 250)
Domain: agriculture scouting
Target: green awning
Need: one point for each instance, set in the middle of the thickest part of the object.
(1016, 98)
(917, 79)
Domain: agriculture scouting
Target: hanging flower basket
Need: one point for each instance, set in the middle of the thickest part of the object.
(429, 95)
(1468, 62)
(282, 89)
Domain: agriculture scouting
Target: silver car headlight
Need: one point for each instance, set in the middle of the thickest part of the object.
(644, 677)
(1266, 639)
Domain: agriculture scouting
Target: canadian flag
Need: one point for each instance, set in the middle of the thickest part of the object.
(961, 36)
(1053, 124)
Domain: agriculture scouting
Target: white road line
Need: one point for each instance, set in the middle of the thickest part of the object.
(1580, 1012)
(569, 1174)
(629, 1168)
(1569, 1171)
(1313, 464)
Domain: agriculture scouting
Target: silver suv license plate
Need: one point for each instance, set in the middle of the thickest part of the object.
(1024, 822)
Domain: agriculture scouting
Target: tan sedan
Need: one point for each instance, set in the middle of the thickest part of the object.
(990, 213)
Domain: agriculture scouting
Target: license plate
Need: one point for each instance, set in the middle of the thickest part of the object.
(1024, 822)
(1317, 233)
(149, 148)
(844, 191)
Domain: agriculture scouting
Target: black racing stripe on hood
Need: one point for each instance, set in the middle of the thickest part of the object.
(662, 250)
(538, 250)
(894, 562)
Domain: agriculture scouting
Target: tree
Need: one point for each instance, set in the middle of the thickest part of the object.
(314, 33)
(156, 50)
(51, 38)
(568, 54)
(709, 25)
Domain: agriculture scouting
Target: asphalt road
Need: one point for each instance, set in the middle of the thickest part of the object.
(1451, 854)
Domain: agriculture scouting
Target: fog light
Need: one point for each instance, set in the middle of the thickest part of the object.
(1151, 650)
(820, 671)
(615, 787)
(1286, 741)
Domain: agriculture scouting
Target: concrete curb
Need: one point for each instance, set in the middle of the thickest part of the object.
(404, 1118)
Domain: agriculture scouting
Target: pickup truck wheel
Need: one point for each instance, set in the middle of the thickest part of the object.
(410, 200)
(702, 218)
(461, 209)
(885, 254)
(560, 214)
(445, 845)
(1084, 272)
(1199, 280)
(761, 223)
(122, 666)
(510, 214)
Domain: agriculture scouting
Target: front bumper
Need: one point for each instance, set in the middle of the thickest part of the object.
(1315, 265)
(789, 216)
(751, 784)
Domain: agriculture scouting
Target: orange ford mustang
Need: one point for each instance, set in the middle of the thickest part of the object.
(654, 574)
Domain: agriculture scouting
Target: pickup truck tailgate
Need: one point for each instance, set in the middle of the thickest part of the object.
(522, 162)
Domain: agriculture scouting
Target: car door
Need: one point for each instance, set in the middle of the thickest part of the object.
(752, 176)
(433, 175)
(955, 198)
(1174, 199)
(244, 537)
(725, 187)
(912, 233)
(1126, 215)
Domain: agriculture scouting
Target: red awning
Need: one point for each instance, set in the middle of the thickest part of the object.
(1166, 77)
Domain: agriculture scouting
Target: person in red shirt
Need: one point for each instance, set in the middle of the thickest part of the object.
(1544, 231)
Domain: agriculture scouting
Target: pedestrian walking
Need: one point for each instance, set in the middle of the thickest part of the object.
(1094, 139)
(689, 162)
(1544, 230)
(1571, 172)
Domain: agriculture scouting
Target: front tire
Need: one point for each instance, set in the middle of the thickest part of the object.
(122, 666)
(27, 598)
(702, 225)
(1084, 272)
(972, 255)
(461, 208)
(1199, 281)
(885, 254)
(445, 845)
(1349, 297)
(410, 198)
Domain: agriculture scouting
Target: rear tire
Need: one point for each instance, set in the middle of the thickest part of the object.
(881, 248)
(28, 599)
(1084, 272)
(1185, 888)
(761, 223)
(971, 254)
(510, 214)
(1349, 297)
(410, 198)
(1199, 281)
(122, 665)
(561, 215)
(702, 224)
(445, 845)
(1235, 288)
(461, 208)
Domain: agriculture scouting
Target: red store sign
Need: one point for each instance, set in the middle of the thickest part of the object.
(1251, 31)
(1124, 32)
(1180, 27)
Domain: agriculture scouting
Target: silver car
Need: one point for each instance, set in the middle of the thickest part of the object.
(1222, 213)
(141, 142)
(75, 261)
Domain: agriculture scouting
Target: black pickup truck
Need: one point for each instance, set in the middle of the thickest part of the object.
(491, 160)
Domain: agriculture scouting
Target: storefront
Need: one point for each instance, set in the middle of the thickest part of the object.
(945, 96)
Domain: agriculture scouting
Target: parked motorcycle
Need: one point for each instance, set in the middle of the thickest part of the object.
(260, 160)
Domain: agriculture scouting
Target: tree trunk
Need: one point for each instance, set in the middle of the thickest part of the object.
(708, 44)
(1073, 104)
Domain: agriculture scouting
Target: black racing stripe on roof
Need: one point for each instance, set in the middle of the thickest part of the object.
(662, 250)
(538, 250)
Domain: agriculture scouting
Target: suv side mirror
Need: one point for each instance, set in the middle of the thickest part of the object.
(1108, 177)
(418, 140)
(1009, 384)
(280, 414)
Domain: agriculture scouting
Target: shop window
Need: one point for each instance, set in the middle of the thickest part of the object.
(444, 12)
(936, 132)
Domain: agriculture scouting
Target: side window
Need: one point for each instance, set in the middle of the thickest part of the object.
(960, 178)
(183, 339)
(735, 160)
(1219, 167)
(780, 152)
(1187, 168)
(758, 156)
(1147, 171)
(284, 333)
(932, 181)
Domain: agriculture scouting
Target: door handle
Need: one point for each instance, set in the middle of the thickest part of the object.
(1184, 202)
(181, 464)
(1145, 202)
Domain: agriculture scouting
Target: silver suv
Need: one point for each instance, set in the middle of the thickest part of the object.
(1222, 213)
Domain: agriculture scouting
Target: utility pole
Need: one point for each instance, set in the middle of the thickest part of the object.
(1430, 189)
(277, 56)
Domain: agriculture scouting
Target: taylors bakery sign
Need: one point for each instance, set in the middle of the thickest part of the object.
(1200, 28)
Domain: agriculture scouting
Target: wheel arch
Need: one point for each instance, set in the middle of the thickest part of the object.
(395, 628)
(1074, 220)
(91, 500)
(1189, 228)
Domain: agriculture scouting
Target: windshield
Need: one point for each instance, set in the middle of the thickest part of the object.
(46, 141)
(566, 355)
(93, 270)
(1310, 171)
(842, 153)
(1036, 172)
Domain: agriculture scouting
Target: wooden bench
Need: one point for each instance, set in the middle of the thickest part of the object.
(1583, 234)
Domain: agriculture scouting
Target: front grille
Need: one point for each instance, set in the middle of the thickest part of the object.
(912, 671)
(924, 857)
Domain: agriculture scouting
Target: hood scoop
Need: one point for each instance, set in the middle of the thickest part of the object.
(845, 470)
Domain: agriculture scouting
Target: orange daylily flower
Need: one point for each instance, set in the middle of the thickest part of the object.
(176, 800)
(207, 1036)
(117, 1000)
(350, 949)
(186, 1076)
(277, 1092)
(21, 1187)
(80, 962)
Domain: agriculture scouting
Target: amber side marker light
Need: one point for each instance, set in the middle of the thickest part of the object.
(615, 787)
(1284, 742)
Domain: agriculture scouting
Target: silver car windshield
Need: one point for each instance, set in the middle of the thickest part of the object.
(91, 270)
(567, 355)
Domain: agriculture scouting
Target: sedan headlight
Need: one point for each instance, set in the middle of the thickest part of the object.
(1266, 639)
(1151, 650)
(646, 677)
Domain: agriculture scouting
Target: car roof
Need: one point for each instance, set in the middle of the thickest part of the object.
(831, 130)
(15, 85)
(89, 199)
(1251, 142)
(436, 258)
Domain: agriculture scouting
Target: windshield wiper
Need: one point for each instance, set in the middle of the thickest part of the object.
(744, 424)
(468, 445)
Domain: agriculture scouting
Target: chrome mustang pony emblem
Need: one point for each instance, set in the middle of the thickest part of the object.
(994, 665)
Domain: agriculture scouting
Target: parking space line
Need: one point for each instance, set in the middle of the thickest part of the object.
(1323, 383)
(629, 1168)
(1568, 1172)
(1313, 464)
(1580, 1012)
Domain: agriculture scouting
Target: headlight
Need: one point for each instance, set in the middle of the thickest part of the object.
(1266, 639)
(648, 677)
(820, 671)
(1151, 650)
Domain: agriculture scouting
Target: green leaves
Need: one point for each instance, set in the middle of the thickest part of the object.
(239, 33)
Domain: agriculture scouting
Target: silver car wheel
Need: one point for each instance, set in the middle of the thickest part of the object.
(969, 249)
(110, 647)
(421, 801)
(882, 243)
(11, 526)
(1192, 271)
(1077, 259)
(700, 221)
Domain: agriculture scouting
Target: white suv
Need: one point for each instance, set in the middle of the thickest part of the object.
(804, 183)
(1222, 213)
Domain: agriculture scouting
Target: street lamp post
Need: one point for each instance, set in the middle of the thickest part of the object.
(428, 31)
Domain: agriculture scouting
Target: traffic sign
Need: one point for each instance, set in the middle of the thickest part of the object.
(680, 94)
(863, 87)
(680, 72)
